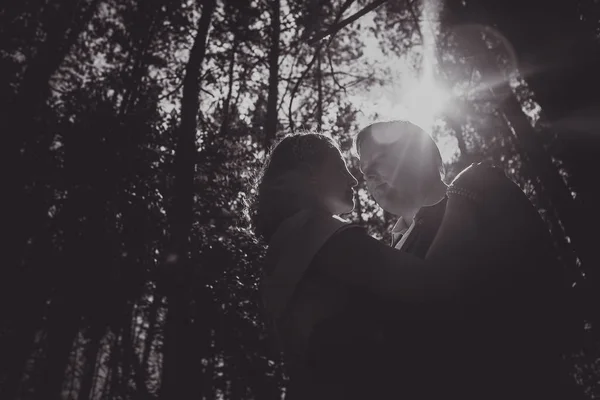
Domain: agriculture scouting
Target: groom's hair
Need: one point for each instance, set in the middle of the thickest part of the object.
(402, 130)
(268, 204)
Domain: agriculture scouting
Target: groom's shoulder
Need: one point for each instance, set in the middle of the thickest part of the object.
(476, 172)
(482, 180)
(488, 187)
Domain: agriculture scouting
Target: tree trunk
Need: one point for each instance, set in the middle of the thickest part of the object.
(203, 328)
(16, 119)
(319, 92)
(150, 334)
(62, 331)
(150, 19)
(465, 158)
(17, 350)
(183, 201)
(115, 362)
(566, 253)
(143, 372)
(227, 105)
(177, 358)
(548, 173)
(271, 118)
(64, 30)
(85, 232)
(127, 349)
(91, 360)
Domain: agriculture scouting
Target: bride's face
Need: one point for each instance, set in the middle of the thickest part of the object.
(334, 185)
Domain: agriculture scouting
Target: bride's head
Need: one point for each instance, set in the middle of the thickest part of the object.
(302, 171)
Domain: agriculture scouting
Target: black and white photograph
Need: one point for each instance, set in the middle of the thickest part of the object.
(300, 200)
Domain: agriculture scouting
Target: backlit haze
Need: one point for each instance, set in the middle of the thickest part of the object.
(407, 93)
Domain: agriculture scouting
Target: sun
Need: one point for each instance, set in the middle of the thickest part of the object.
(425, 102)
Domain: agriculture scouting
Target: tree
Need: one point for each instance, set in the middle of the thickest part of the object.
(180, 362)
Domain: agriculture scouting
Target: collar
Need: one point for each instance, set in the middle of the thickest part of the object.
(401, 226)
(426, 211)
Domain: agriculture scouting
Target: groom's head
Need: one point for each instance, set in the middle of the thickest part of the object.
(400, 163)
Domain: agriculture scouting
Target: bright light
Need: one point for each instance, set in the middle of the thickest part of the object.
(409, 91)
(425, 102)
(428, 99)
(409, 94)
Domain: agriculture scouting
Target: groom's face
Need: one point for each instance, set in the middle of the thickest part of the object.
(391, 173)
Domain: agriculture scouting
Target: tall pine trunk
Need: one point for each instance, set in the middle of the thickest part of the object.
(319, 78)
(178, 362)
(230, 74)
(28, 210)
(150, 335)
(150, 13)
(16, 116)
(62, 331)
(91, 360)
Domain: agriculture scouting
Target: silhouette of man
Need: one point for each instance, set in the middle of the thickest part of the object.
(403, 170)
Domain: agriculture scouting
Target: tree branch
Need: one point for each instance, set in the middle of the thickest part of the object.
(333, 73)
(332, 30)
(297, 85)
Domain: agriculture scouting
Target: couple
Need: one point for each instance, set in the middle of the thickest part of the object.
(463, 305)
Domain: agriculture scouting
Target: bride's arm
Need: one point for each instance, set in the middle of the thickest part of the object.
(459, 230)
(362, 262)
(485, 209)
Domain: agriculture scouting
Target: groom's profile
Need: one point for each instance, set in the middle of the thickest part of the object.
(403, 169)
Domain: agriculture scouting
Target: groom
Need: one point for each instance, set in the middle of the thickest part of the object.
(507, 346)
(403, 170)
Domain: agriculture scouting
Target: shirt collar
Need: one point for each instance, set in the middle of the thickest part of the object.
(438, 207)
(401, 226)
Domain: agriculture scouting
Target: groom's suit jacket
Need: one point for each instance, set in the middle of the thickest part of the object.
(508, 347)
(415, 339)
(426, 224)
